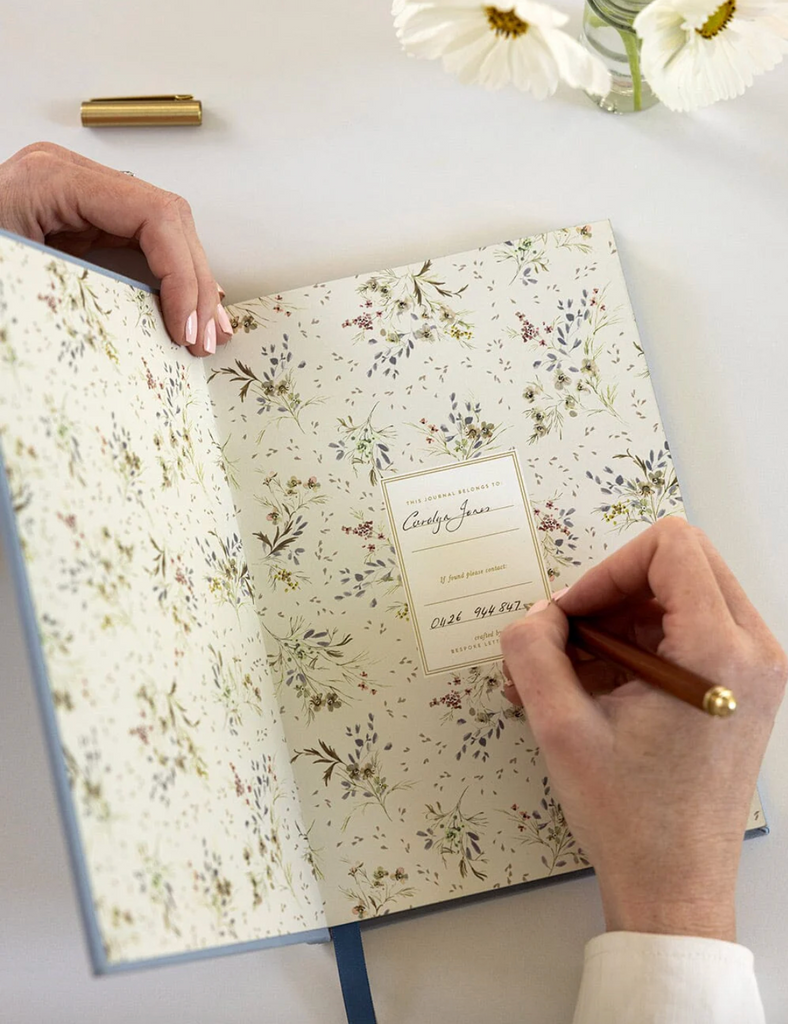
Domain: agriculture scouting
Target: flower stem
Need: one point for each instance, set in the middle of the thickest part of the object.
(633, 55)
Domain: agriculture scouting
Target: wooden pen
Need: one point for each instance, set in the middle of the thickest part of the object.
(680, 682)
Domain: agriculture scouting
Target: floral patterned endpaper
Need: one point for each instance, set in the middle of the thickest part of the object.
(180, 777)
(248, 731)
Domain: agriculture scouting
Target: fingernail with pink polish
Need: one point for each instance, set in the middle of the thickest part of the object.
(209, 341)
(559, 594)
(538, 606)
(191, 328)
(221, 291)
(224, 320)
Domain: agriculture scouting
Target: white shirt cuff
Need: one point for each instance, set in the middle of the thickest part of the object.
(634, 978)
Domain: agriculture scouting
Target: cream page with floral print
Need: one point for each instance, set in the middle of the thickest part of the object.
(417, 789)
(180, 778)
(207, 580)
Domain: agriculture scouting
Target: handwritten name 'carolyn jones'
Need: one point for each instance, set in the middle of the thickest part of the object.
(437, 521)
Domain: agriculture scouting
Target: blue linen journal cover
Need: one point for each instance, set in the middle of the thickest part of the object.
(268, 711)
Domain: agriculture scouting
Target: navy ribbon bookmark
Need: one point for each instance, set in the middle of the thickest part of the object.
(353, 976)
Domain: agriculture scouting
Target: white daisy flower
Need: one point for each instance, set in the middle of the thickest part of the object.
(522, 44)
(696, 52)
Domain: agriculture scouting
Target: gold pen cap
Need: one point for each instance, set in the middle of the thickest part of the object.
(125, 111)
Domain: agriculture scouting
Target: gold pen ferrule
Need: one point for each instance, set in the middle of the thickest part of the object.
(719, 701)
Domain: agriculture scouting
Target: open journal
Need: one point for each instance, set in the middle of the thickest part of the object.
(263, 591)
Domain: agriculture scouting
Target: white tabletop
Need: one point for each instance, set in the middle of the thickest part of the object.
(324, 152)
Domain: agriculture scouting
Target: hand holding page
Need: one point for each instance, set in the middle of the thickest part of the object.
(469, 554)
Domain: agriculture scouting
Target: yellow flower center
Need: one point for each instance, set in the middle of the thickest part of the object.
(506, 23)
(717, 21)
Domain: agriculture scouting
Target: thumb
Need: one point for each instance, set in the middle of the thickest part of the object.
(560, 712)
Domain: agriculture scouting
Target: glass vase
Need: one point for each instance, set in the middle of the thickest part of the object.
(609, 35)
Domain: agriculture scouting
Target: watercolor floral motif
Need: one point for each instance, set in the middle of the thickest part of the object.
(119, 934)
(215, 890)
(85, 772)
(364, 445)
(72, 299)
(65, 433)
(379, 570)
(644, 372)
(570, 381)
(529, 255)
(155, 885)
(360, 771)
(21, 459)
(166, 731)
(227, 467)
(101, 563)
(125, 461)
(8, 354)
(275, 394)
(464, 435)
(456, 837)
(267, 866)
(469, 694)
(146, 312)
(174, 437)
(284, 504)
(228, 576)
(649, 494)
(546, 827)
(475, 701)
(373, 895)
(56, 641)
(234, 689)
(312, 853)
(401, 309)
(63, 699)
(318, 666)
(555, 530)
(21, 499)
(248, 316)
(173, 586)
(574, 239)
